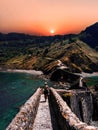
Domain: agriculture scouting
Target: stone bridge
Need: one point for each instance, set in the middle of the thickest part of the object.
(64, 110)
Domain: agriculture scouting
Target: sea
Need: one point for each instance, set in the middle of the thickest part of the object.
(15, 89)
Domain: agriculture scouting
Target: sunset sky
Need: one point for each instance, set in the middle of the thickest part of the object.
(47, 17)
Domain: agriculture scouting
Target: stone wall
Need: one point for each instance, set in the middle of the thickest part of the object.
(25, 118)
(65, 117)
(95, 105)
(82, 105)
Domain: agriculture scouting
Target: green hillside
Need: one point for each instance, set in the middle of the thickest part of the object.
(77, 52)
(77, 55)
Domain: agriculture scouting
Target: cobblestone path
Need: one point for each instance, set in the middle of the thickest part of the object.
(43, 119)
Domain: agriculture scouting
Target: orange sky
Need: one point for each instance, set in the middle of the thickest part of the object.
(40, 16)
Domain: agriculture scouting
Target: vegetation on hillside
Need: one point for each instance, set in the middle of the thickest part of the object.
(20, 51)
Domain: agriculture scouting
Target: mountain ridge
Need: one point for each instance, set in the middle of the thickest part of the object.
(90, 35)
(42, 52)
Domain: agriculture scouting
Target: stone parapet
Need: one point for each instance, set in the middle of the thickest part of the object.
(25, 118)
(65, 117)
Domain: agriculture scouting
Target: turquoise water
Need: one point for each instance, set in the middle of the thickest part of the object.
(91, 81)
(15, 89)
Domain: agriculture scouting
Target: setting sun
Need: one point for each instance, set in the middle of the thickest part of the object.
(52, 31)
(47, 17)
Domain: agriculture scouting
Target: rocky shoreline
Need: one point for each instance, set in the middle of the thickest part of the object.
(34, 72)
(89, 74)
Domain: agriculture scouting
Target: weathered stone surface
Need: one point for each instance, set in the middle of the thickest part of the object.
(43, 119)
(95, 105)
(67, 119)
(81, 104)
(25, 118)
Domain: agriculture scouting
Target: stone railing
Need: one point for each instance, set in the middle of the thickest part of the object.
(65, 117)
(25, 118)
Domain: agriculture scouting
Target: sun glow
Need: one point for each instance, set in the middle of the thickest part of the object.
(52, 31)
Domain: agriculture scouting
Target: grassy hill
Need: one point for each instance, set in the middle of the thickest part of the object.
(77, 55)
(20, 51)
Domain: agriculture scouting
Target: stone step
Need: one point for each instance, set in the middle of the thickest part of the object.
(43, 119)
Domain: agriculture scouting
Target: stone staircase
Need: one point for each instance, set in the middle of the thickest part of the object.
(43, 119)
